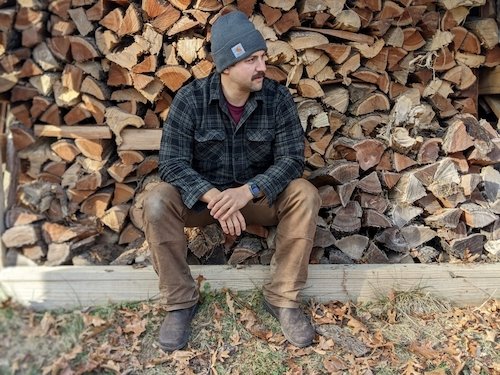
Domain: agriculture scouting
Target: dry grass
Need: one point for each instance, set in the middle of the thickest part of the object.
(407, 332)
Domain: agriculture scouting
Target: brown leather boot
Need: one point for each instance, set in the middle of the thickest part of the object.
(296, 327)
(176, 327)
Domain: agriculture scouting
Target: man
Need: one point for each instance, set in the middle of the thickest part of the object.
(232, 151)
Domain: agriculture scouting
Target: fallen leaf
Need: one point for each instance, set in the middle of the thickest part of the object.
(439, 371)
(230, 303)
(199, 280)
(46, 324)
(295, 369)
(136, 327)
(412, 368)
(91, 320)
(223, 355)
(392, 316)
(356, 325)
(218, 325)
(472, 347)
(113, 366)
(424, 350)
(324, 344)
(491, 335)
(299, 352)
(235, 338)
(333, 364)
(248, 318)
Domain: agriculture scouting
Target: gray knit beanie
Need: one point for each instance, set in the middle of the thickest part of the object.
(233, 39)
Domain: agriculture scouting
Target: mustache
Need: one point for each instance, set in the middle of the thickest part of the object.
(258, 75)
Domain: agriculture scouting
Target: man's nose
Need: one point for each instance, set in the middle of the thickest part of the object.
(261, 65)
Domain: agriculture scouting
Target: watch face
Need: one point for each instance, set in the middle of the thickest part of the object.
(255, 190)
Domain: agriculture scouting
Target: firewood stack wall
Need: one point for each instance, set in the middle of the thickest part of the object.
(387, 92)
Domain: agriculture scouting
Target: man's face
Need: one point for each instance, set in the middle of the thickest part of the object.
(249, 74)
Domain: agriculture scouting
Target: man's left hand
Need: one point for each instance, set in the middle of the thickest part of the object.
(229, 201)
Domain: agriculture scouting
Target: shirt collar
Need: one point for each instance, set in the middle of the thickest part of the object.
(216, 89)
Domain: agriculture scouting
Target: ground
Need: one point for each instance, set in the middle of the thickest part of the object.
(407, 332)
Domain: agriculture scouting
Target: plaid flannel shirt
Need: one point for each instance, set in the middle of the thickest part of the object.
(202, 148)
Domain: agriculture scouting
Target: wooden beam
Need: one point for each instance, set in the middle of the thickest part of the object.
(80, 286)
(140, 139)
(3, 146)
(341, 34)
(489, 81)
(76, 131)
(494, 104)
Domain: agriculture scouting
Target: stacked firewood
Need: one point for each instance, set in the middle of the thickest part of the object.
(387, 93)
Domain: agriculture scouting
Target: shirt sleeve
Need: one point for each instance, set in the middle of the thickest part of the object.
(176, 148)
(288, 149)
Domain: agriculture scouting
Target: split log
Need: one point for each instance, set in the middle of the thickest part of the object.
(393, 239)
(347, 219)
(114, 218)
(375, 219)
(96, 204)
(21, 235)
(465, 247)
(353, 246)
(476, 216)
(62, 253)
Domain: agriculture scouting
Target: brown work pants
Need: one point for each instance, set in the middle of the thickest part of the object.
(294, 212)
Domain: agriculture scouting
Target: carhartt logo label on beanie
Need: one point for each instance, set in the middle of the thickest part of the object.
(238, 50)
(234, 38)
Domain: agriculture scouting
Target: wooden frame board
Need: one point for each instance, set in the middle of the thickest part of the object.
(80, 286)
(140, 139)
(73, 131)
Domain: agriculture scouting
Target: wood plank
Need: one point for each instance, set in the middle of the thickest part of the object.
(489, 81)
(493, 102)
(3, 114)
(140, 139)
(341, 34)
(76, 131)
(75, 286)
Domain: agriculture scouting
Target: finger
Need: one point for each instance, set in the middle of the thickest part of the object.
(227, 214)
(219, 214)
(215, 209)
(214, 204)
(221, 206)
(223, 225)
(234, 225)
(229, 225)
(241, 220)
(215, 200)
(237, 228)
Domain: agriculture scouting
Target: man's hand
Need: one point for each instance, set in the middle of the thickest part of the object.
(234, 225)
(225, 204)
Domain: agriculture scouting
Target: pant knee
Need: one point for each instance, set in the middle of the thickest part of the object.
(306, 193)
(158, 201)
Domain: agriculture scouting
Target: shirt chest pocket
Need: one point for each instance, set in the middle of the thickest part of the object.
(209, 145)
(260, 145)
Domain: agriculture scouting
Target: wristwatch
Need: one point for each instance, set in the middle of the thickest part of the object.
(254, 189)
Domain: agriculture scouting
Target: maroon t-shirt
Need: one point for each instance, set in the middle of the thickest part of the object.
(235, 112)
